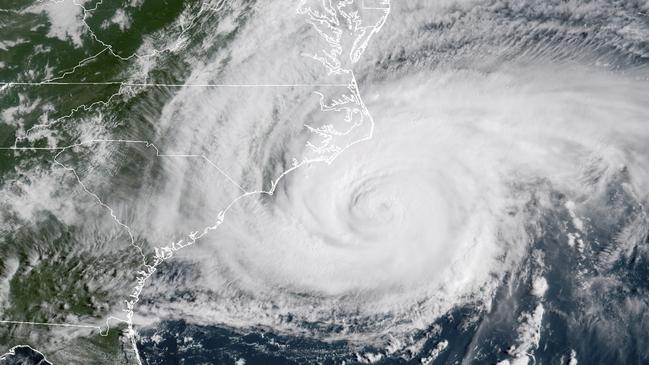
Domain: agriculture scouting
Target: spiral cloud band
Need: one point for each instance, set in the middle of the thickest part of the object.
(365, 170)
(436, 207)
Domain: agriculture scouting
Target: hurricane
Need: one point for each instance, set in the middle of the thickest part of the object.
(363, 181)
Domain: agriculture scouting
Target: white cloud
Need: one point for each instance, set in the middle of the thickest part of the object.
(6, 44)
(539, 286)
(65, 18)
(427, 215)
(121, 19)
(405, 226)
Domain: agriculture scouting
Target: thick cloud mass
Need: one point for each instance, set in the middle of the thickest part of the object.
(431, 212)
(359, 180)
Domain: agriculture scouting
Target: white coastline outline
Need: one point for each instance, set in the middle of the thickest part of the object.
(12, 351)
(164, 253)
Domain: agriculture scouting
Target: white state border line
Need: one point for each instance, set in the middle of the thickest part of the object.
(146, 143)
(52, 324)
(4, 83)
(166, 252)
(111, 211)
